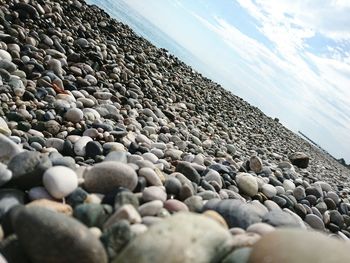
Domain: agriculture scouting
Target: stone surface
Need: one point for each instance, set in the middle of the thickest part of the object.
(288, 246)
(106, 176)
(247, 183)
(8, 149)
(48, 236)
(255, 164)
(314, 221)
(28, 168)
(299, 159)
(184, 237)
(154, 193)
(60, 181)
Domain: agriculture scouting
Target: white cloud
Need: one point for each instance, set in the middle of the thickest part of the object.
(318, 93)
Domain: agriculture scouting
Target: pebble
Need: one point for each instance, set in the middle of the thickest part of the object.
(269, 190)
(247, 184)
(60, 181)
(314, 221)
(151, 208)
(299, 159)
(48, 236)
(151, 176)
(80, 145)
(173, 205)
(10, 198)
(74, 115)
(154, 193)
(4, 129)
(106, 176)
(28, 168)
(52, 205)
(5, 174)
(8, 149)
(127, 212)
(288, 246)
(186, 237)
(260, 228)
(92, 215)
(255, 164)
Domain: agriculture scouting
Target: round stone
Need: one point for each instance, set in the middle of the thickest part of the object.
(154, 193)
(314, 221)
(269, 190)
(288, 185)
(299, 193)
(260, 228)
(74, 115)
(28, 168)
(8, 149)
(10, 198)
(186, 238)
(80, 145)
(48, 236)
(5, 55)
(4, 129)
(255, 164)
(213, 175)
(93, 148)
(247, 183)
(5, 174)
(151, 176)
(173, 205)
(106, 176)
(60, 181)
(291, 246)
(151, 208)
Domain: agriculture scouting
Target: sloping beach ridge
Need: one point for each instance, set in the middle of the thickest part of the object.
(113, 150)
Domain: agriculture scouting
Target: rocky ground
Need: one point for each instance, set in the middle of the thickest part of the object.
(113, 150)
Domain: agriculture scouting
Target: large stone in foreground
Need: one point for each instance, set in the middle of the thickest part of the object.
(295, 246)
(107, 176)
(48, 236)
(184, 237)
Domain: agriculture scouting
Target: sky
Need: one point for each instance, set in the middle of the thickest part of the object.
(290, 58)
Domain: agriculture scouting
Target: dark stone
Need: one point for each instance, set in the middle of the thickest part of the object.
(116, 237)
(314, 221)
(299, 159)
(279, 218)
(207, 186)
(280, 201)
(235, 212)
(300, 210)
(312, 199)
(172, 186)
(92, 215)
(336, 218)
(314, 191)
(274, 181)
(68, 148)
(47, 236)
(125, 197)
(333, 228)
(330, 203)
(93, 148)
(11, 249)
(141, 184)
(28, 168)
(187, 170)
(78, 197)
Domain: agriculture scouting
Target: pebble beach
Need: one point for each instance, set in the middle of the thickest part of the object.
(113, 150)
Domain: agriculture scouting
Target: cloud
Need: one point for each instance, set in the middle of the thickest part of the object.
(312, 88)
